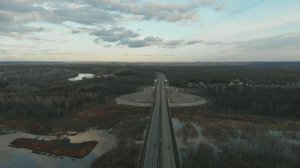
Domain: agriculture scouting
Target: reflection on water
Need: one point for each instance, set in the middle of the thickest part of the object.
(290, 137)
(12, 157)
(82, 76)
(177, 124)
(189, 135)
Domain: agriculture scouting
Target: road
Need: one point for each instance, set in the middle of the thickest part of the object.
(160, 149)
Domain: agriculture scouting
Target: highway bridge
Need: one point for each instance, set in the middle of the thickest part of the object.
(160, 149)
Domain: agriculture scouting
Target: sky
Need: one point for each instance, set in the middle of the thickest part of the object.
(149, 30)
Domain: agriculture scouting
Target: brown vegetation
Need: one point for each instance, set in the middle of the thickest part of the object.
(56, 147)
(127, 152)
(102, 117)
(241, 140)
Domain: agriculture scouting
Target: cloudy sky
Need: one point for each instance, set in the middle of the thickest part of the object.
(148, 30)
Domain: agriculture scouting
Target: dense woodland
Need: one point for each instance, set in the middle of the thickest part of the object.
(267, 89)
(43, 91)
(267, 101)
(32, 91)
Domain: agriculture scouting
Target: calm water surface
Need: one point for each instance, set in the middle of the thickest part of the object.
(23, 158)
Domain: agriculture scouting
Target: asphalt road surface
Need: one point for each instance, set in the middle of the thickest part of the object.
(160, 150)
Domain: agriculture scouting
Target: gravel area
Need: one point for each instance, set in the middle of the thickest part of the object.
(179, 99)
(176, 98)
(142, 99)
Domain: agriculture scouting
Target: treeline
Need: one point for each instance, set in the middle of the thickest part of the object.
(267, 101)
(16, 106)
(267, 75)
(43, 92)
(264, 100)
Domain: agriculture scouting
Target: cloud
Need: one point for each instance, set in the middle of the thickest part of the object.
(86, 16)
(75, 31)
(163, 11)
(284, 41)
(19, 6)
(3, 51)
(126, 37)
(4, 18)
(12, 26)
(192, 42)
(20, 15)
(131, 39)
(204, 2)
(92, 12)
(15, 30)
(137, 43)
(159, 42)
(220, 7)
(114, 34)
(284, 47)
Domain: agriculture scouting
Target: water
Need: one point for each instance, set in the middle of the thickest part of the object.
(81, 76)
(188, 142)
(289, 137)
(191, 142)
(13, 157)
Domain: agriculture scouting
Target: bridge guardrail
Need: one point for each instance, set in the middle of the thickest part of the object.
(142, 158)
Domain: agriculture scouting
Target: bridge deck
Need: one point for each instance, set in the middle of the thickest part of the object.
(160, 149)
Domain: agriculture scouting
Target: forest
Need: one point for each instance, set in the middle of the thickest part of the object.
(42, 91)
(267, 90)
